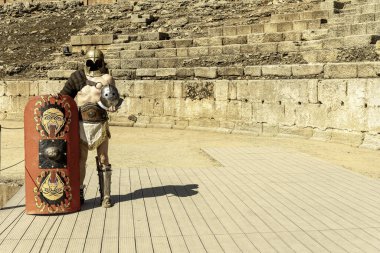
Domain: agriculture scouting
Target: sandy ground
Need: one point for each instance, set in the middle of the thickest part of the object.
(168, 148)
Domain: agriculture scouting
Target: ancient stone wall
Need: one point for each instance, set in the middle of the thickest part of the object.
(85, 2)
(338, 110)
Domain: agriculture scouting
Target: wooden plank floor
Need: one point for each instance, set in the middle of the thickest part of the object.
(259, 200)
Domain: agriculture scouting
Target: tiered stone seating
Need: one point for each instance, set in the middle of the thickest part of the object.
(284, 77)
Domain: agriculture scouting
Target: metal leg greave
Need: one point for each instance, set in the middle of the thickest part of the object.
(106, 201)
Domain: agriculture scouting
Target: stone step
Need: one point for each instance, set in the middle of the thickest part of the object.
(307, 15)
(257, 45)
(354, 29)
(153, 36)
(298, 71)
(359, 18)
(297, 25)
(363, 9)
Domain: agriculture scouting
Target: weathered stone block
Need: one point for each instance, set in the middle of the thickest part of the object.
(149, 45)
(321, 135)
(181, 124)
(86, 40)
(252, 127)
(300, 25)
(270, 129)
(220, 109)
(371, 141)
(350, 138)
(242, 90)
(202, 42)
(315, 24)
(232, 90)
(310, 45)
(307, 69)
(50, 87)
(185, 72)
(257, 28)
(198, 51)
(128, 74)
(146, 72)
(234, 40)
(127, 54)
(314, 34)
(170, 109)
(168, 44)
(332, 92)
(33, 89)
(374, 119)
(59, 74)
(246, 111)
(75, 40)
(125, 87)
(369, 69)
(149, 63)
(295, 131)
(183, 43)
(229, 30)
(373, 27)
(145, 53)
(292, 36)
(270, 28)
(217, 31)
(248, 49)
(252, 71)
(312, 115)
(285, 26)
(164, 53)
(276, 70)
(113, 63)
(230, 71)
(373, 92)
(158, 107)
(270, 47)
(18, 88)
(130, 63)
(231, 49)
(215, 50)
(182, 52)
(178, 89)
(206, 72)
(332, 43)
(166, 72)
(243, 29)
(233, 110)
(255, 38)
(341, 70)
(356, 93)
(221, 90)
(167, 63)
(358, 29)
(288, 46)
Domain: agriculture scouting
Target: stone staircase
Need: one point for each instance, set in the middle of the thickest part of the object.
(309, 74)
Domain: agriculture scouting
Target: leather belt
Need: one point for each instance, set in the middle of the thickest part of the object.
(92, 113)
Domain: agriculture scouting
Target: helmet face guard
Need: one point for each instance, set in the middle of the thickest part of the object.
(94, 64)
(109, 97)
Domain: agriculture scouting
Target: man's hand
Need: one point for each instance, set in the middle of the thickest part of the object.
(112, 109)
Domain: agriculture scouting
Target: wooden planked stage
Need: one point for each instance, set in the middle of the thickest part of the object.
(258, 200)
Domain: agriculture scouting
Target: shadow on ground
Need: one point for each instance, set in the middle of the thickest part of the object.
(170, 190)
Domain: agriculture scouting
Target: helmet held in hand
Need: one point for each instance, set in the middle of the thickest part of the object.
(109, 96)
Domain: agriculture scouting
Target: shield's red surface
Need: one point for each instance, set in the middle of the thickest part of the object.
(51, 155)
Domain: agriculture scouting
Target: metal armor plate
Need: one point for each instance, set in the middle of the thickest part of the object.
(51, 155)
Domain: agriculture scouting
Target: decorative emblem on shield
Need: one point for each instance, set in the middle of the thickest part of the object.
(51, 155)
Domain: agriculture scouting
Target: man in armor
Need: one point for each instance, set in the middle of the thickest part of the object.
(96, 94)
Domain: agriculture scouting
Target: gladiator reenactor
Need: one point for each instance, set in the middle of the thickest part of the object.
(96, 95)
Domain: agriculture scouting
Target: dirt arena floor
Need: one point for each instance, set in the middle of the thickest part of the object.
(169, 148)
